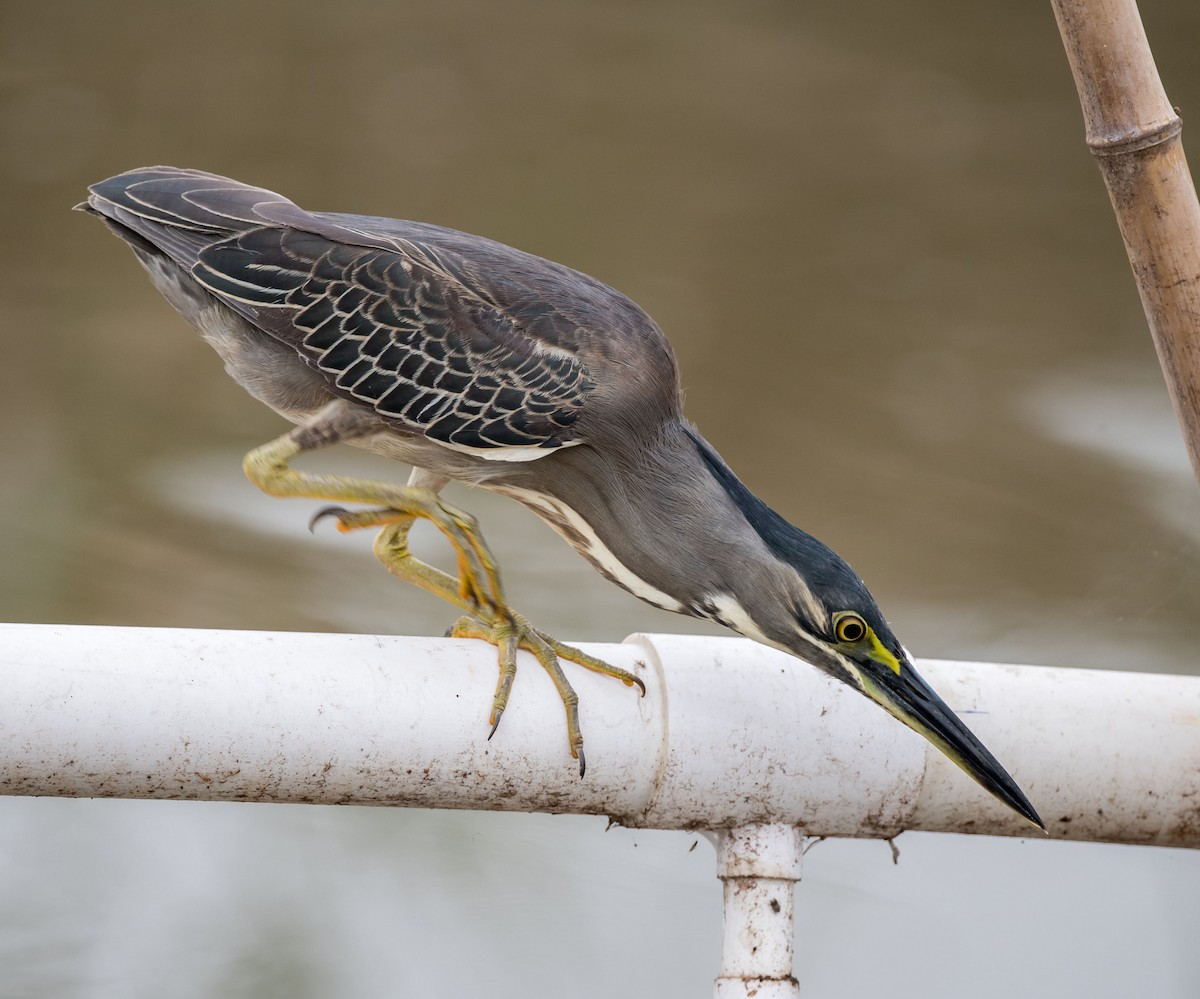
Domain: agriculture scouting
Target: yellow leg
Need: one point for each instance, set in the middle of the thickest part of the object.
(479, 578)
(477, 590)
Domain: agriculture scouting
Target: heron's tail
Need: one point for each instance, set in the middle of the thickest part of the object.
(179, 212)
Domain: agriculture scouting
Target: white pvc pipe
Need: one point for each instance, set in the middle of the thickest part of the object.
(729, 734)
(758, 866)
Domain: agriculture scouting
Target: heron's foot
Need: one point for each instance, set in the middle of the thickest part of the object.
(478, 588)
(509, 631)
(392, 507)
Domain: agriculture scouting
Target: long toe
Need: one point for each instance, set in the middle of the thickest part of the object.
(510, 632)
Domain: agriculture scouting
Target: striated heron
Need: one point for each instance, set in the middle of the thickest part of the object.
(473, 361)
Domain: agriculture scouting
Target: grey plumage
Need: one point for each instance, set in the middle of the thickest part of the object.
(310, 307)
(459, 339)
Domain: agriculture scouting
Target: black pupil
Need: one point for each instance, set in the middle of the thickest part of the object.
(852, 631)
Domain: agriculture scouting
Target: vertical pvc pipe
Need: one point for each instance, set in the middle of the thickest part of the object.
(759, 866)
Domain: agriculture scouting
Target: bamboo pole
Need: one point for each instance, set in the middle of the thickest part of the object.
(1135, 135)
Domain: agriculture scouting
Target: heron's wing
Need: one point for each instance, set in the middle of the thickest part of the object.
(403, 325)
(396, 331)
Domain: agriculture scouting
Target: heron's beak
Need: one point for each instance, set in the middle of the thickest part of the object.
(907, 696)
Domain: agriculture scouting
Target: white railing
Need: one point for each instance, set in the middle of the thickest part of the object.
(731, 737)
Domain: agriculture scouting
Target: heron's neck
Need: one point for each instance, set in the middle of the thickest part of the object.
(785, 540)
(667, 520)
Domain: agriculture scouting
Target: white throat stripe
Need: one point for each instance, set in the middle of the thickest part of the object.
(583, 539)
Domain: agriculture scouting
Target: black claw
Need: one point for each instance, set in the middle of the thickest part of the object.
(642, 686)
(495, 725)
(325, 511)
(582, 765)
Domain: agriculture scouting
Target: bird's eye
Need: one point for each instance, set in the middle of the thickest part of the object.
(849, 627)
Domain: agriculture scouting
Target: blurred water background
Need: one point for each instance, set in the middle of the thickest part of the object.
(903, 314)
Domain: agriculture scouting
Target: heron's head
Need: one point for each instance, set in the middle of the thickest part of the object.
(801, 596)
(817, 608)
(832, 621)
